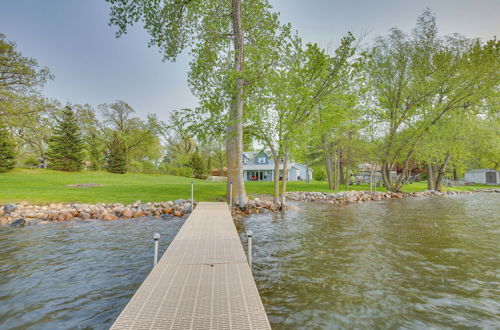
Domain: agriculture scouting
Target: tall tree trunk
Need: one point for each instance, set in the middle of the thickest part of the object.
(276, 178)
(440, 173)
(386, 175)
(455, 174)
(341, 167)
(337, 173)
(234, 143)
(327, 155)
(431, 181)
(283, 181)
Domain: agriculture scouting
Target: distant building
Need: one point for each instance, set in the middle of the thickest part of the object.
(365, 171)
(484, 176)
(258, 166)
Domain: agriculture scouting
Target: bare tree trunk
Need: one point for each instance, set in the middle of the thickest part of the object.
(372, 170)
(386, 175)
(327, 155)
(276, 178)
(283, 181)
(430, 177)
(341, 167)
(234, 143)
(440, 173)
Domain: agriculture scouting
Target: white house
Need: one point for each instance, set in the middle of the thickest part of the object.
(484, 176)
(258, 166)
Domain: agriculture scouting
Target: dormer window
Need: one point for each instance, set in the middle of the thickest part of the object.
(262, 160)
(245, 160)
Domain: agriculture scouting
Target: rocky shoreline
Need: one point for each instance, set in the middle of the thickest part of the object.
(24, 214)
(344, 197)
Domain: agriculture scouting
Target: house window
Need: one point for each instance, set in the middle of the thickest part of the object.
(262, 160)
(244, 160)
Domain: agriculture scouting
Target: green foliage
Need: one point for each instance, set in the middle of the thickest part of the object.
(31, 162)
(7, 152)
(20, 77)
(418, 79)
(65, 146)
(116, 156)
(196, 163)
(319, 173)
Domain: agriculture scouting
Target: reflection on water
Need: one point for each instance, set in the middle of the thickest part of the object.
(413, 263)
(75, 274)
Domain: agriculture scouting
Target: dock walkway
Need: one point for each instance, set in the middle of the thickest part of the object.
(203, 280)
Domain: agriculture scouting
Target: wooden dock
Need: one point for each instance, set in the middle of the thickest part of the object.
(203, 281)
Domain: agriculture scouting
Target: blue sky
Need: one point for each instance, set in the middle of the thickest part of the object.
(73, 39)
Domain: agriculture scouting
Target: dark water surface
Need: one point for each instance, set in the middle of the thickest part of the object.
(414, 263)
(75, 275)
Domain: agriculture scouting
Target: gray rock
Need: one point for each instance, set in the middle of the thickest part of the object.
(178, 201)
(8, 208)
(18, 223)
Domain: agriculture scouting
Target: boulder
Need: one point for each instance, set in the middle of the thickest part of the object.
(178, 213)
(127, 213)
(168, 210)
(4, 220)
(109, 217)
(9, 208)
(84, 215)
(137, 213)
(18, 223)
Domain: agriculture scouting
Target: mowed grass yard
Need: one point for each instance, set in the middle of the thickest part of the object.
(41, 186)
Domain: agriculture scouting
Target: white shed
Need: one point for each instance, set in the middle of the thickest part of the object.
(484, 176)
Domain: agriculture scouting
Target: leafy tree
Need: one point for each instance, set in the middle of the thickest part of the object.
(65, 146)
(20, 77)
(94, 136)
(228, 39)
(116, 155)
(137, 137)
(414, 81)
(7, 152)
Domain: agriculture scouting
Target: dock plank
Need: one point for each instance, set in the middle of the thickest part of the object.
(203, 280)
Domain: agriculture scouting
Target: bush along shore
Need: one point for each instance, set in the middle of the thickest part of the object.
(344, 197)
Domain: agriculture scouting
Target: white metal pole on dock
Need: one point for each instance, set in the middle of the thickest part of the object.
(249, 234)
(230, 195)
(156, 238)
(192, 196)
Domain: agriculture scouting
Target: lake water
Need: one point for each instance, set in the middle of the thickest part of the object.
(413, 263)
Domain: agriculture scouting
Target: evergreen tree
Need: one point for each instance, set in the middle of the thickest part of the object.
(7, 152)
(65, 146)
(116, 161)
(196, 163)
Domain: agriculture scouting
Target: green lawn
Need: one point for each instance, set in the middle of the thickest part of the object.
(46, 186)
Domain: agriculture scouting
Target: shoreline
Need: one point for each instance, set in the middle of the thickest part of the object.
(24, 214)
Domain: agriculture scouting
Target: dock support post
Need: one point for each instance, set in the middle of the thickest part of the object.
(230, 195)
(192, 196)
(249, 234)
(156, 238)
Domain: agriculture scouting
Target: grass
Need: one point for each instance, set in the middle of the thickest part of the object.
(41, 186)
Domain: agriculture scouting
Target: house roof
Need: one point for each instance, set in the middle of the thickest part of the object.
(481, 170)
